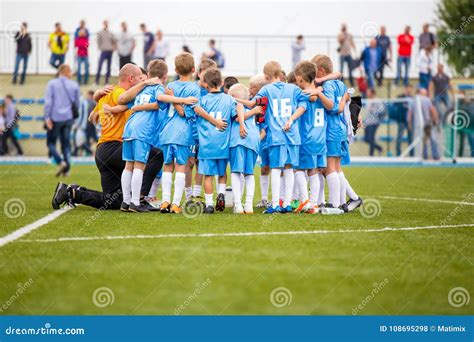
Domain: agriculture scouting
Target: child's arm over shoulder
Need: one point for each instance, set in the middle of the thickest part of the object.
(177, 107)
(332, 76)
(241, 118)
(111, 110)
(254, 111)
(219, 123)
(145, 107)
(131, 93)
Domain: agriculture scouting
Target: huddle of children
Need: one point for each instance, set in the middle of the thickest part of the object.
(298, 130)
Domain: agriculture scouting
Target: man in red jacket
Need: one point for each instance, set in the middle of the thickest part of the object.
(405, 42)
(82, 45)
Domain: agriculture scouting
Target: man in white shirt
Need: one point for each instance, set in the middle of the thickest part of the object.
(161, 47)
(424, 67)
(125, 45)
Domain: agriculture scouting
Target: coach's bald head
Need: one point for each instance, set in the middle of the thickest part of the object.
(129, 75)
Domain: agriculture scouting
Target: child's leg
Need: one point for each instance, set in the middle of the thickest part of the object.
(236, 183)
(250, 190)
(282, 188)
(188, 187)
(333, 182)
(137, 180)
(197, 183)
(322, 185)
(154, 187)
(276, 174)
(301, 185)
(221, 184)
(127, 182)
(179, 182)
(289, 180)
(314, 185)
(264, 181)
(342, 183)
(167, 180)
(208, 191)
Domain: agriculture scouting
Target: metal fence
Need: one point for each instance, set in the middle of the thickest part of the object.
(244, 55)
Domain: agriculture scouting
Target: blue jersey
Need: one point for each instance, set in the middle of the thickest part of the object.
(283, 100)
(161, 118)
(313, 124)
(178, 129)
(142, 125)
(213, 143)
(335, 90)
(252, 140)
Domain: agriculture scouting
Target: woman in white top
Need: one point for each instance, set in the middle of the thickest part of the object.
(160, 47)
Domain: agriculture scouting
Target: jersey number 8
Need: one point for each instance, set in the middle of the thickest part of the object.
(318, 117)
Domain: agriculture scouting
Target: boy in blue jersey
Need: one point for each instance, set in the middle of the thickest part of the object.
(139, 132)
(194, 193)
(215, 110)
(176, 135)
(283, 100)
(243, 152)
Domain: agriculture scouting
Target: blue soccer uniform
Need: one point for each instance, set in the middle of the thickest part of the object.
(214, 144)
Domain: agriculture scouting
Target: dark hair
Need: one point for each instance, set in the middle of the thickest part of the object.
(212, 41)
(291, 78)
(90, 92)
(9, 96)
(229, 81)
(299, 36)
(187, 49)
(143, 70)
(213, 78)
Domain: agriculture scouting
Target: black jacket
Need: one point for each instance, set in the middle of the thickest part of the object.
(23, 43)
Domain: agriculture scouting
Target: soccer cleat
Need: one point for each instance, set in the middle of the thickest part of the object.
(263, 204)
(220, 202)
(61, 195)
(287, 209)
(272, 210)
(149, 206)
(303, 207)
(344, 207)
(354, 204)
(208, 209)
(124, 207)
(175, 209)
(137, 208)
(295, 204)
(328, 209)
(165, 208)
(248, 209)
(314, 210)
(238, 209)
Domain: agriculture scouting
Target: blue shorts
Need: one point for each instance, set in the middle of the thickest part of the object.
(282, 155)
(242, 160)
(264, 157)
(311, 161)
(135, 150)
(337, 148)
(173, 152)
(212, 167)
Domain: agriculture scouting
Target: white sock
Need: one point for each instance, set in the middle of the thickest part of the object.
(264, 186)
(154, 187)
(314, 189)
(301, 185)
(242, 184)
(235, 180)
(137, 179)
(250, 186)
(208, 199)
(334, 189)
(188, 192)
(197, 190)
(127, 186)
(342, 187)
(295, 195)
(166, 180)
(276, 187)
(179, 181)
(350, 192)
(289, 177)
(221, 188)
(282, 188)
(322, 183)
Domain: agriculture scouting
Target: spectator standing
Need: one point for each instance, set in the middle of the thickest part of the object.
(11, 117)
(106, 43)
(346, 45)
(81, 42)
(161, 48)
(61, 94)
(372, 58)
(79, 127)
(405, 42)
(148, 40)
(58, 44)
(401, 118)
(439, 87)
(296, 49)
(427, 39)
(215, 54)
(375, 111)
(125, 45)
(82, 26)
(23, 50)
(424, 67)
(383, 42)
(430, 122)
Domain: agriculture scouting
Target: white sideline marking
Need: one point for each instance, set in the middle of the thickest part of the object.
(423, 200)
(32, 226)
(238, 234)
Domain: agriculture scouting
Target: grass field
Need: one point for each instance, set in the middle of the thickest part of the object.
(285, 264)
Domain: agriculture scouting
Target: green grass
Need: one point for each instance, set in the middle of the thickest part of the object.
(325, 273)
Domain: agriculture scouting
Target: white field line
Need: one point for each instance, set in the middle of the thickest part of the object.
(32, 226)
(423, 200)
(243, 234)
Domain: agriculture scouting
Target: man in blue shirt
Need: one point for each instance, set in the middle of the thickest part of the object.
(61, 95)
(148, 40)
(385, 45)
(372, 58)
